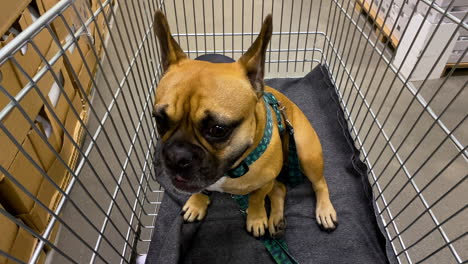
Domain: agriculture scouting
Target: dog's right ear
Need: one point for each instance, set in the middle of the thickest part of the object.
(171, 52)
(254, 59)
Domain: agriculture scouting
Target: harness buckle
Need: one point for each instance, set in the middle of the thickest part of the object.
(282, 109)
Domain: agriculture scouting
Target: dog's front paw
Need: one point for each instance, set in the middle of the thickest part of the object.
(195, 208)
(326, 216)
(257, 221)
(276, 225)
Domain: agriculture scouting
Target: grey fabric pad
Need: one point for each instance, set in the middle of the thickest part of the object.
(221, 237)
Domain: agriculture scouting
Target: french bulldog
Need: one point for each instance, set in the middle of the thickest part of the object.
(210, 116)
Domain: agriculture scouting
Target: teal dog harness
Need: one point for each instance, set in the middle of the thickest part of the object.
(291, 174)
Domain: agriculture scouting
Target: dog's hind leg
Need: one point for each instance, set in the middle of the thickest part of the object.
(276, 223)
(310, 155)
(257, 220)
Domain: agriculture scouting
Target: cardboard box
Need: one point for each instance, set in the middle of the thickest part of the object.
(24, 246)
(75, 60)
(401, 21)
(429, 58)
(455, 56)
(19, 166)
(44, 153)
(18, 125)
(73, 20)
(27, 56)
(10, 12)
(105, 13)
(463, 33)
(57, 98)
(38, 217)
(11, 196)
(84, 78)
(53, 237)
(65, 31)
(392, 17)
(15, 122)
(401, 26)
(9, 81)
(444, 3)
(9, 230)
(434, 16)
(461, 44)
(16, 242)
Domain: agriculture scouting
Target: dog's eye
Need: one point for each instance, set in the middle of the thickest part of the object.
(217, 131)
(162, 122)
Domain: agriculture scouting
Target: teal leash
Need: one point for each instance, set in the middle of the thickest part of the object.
(291, 175)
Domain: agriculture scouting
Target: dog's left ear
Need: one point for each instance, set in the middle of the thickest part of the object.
(254, 59)
(171, 52)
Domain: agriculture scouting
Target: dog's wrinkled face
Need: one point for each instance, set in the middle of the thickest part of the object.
(205, 118)
(205, 112)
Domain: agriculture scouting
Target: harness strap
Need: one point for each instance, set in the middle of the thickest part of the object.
(291, 175)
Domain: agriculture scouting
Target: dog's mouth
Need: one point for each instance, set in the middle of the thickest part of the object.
(186, 185)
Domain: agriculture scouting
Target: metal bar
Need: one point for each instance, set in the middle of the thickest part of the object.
(51, 223)
(186, 27)
(427, 160)
(90, 73)
(241, 51)
(10, 257)
(307, 35)
(121, 85)
(271, 41)
(148, 154)
(195, 26)
(177, 18)
(224, 30)
(424, 136)
(450, 243)
(289, 35)
(359, 141)
(281, 29)
(406, 171)
(242, 29)
(20, 224)
(226, 34)
(433, 204)
(214, 22)
(28, 33)
(44, 175)
(247, 34)
(298, 29)
(117, 189)
(409, 86)
(317, 24)
(417, 93)
(442, 247)
(252, 24)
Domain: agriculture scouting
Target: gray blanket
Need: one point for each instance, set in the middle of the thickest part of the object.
(221, 236)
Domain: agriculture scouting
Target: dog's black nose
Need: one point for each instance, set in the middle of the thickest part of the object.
(181, 156)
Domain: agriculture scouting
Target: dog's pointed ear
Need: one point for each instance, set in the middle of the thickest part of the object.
(254, 59)
(171, 52)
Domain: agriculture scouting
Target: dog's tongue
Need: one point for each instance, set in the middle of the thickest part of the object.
(181, 179)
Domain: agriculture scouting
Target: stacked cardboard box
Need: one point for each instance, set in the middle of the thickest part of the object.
(434, 38)
(458, 9)
(38, 139)
(408, 16)
(16, 242)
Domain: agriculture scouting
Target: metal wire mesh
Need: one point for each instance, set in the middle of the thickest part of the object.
(411, 134)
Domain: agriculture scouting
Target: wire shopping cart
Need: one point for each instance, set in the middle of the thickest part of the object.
(77, 86)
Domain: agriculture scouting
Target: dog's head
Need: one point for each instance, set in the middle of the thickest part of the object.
(205, 112)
